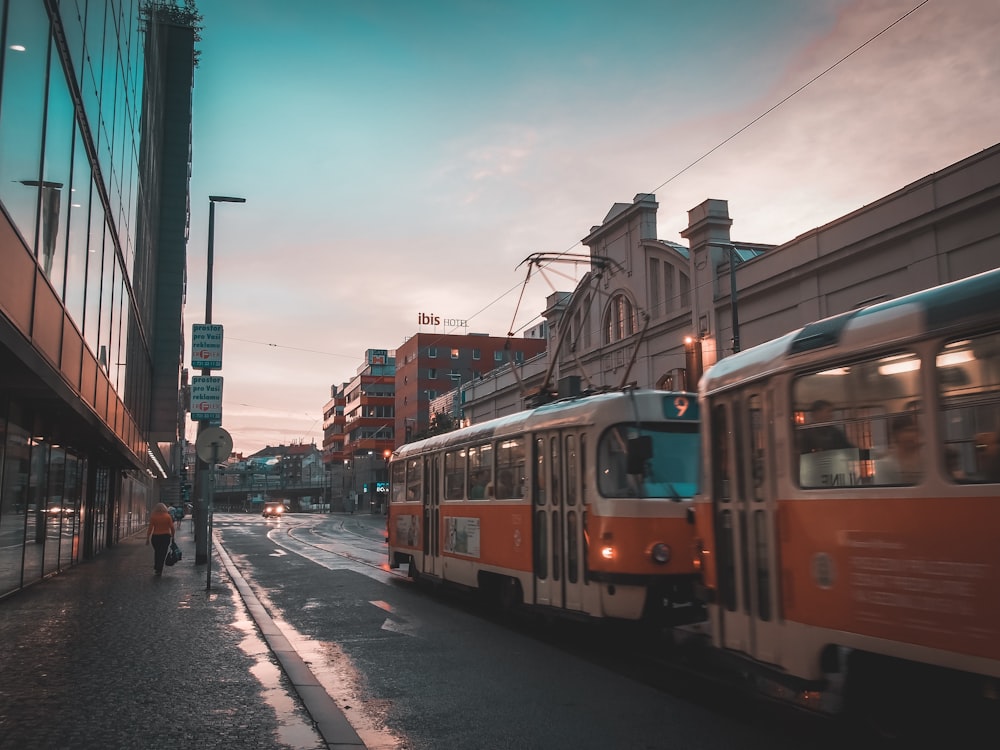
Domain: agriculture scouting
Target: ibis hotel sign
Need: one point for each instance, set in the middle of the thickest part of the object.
(430, 319)
(206, 346)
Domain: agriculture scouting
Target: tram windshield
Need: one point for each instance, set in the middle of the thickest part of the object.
(649, 460)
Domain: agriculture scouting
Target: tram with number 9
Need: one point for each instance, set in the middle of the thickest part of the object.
(578, 507)
(850, 507)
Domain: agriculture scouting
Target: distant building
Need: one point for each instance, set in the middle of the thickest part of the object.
(429, 365)
(358, 432)
(369, 405)
(333, 426)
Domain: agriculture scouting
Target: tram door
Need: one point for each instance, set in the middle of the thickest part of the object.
(558, 521)
(744, 517)
(432, 515)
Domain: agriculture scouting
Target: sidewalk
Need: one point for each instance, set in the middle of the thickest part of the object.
(106, 655)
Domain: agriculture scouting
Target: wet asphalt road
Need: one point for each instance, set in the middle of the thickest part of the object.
(417, 671)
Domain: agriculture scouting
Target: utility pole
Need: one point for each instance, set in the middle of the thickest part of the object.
(201, 478)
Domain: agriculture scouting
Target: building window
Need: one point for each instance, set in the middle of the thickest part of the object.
(476, 354)
(454, 353)
(654, 287)
(432, 352)
(685, 290)
(498, 356)
(432, 373)
(620, 320)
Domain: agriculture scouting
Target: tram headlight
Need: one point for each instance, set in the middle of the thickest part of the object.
(661, 553)
(698, 555)
(608, 552)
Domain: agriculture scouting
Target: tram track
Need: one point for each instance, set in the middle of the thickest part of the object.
(330, 544)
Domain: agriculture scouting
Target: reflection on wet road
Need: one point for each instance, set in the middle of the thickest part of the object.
(335, 546)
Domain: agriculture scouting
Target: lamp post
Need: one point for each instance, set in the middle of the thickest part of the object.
(732, 298)
(731, 250)
(201, 509)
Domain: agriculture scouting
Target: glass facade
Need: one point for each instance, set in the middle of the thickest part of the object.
(76, 321)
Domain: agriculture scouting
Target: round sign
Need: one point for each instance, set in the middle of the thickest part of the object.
(213, 444)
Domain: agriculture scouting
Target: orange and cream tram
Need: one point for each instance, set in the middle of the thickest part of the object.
(849, 513)
(580, 506)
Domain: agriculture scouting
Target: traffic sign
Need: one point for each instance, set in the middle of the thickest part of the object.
(213, 444)
(206, 346)
(206, 398)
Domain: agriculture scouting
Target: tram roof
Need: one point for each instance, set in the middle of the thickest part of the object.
(584, 409)
(965, 302)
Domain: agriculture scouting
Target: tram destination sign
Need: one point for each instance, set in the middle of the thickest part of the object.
(206, 398)
(206, 346)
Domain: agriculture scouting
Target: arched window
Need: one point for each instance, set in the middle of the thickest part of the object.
(620, 319)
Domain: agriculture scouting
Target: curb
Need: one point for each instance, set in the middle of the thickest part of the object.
(333, 726)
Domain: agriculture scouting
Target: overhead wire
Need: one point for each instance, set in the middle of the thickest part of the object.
(666, 182)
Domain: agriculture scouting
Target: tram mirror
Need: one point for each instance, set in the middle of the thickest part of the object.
(640, 450)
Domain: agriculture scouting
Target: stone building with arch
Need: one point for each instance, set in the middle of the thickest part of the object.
(652, 312)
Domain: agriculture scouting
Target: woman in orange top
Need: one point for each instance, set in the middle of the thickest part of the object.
(161, 531)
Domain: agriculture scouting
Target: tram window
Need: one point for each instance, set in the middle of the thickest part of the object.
(670, 471)
(572, 553)
(859, 424)
(556, 469)
(510, 469)
(414, 472)
(541, 544)
(481, 472)
(720, 454)
(571, 471)
(763, 565)
(968, 377)
(583, 468)
(454, 475)
(397, 475)
(757, 442)
(540, 471)
(612, 463)
(727, 568)
(556, 546)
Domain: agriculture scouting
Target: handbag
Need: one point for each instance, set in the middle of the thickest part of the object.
(173, 554)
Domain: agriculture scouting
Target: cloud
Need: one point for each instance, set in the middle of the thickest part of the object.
(390, 173)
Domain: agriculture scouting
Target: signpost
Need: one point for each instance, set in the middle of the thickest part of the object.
(212, 443)
(206, 398)
(206, 346)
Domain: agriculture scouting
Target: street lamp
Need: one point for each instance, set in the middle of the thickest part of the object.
(201, 510)
(731, 248)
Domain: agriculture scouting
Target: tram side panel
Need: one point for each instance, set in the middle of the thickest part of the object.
(909, 571)
(488, 537)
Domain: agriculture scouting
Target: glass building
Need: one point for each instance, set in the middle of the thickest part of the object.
(95, 155)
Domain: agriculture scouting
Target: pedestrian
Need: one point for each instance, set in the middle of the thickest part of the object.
(161, 532)
(901, 463)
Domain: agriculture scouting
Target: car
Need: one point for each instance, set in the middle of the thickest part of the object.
(275, 509)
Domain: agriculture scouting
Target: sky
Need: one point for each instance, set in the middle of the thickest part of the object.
(401, 157)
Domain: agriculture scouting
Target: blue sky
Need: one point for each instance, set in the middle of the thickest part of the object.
(400, 157)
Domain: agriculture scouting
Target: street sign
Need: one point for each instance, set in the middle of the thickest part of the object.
(206, 398)
(206, 346)
(213, 445)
